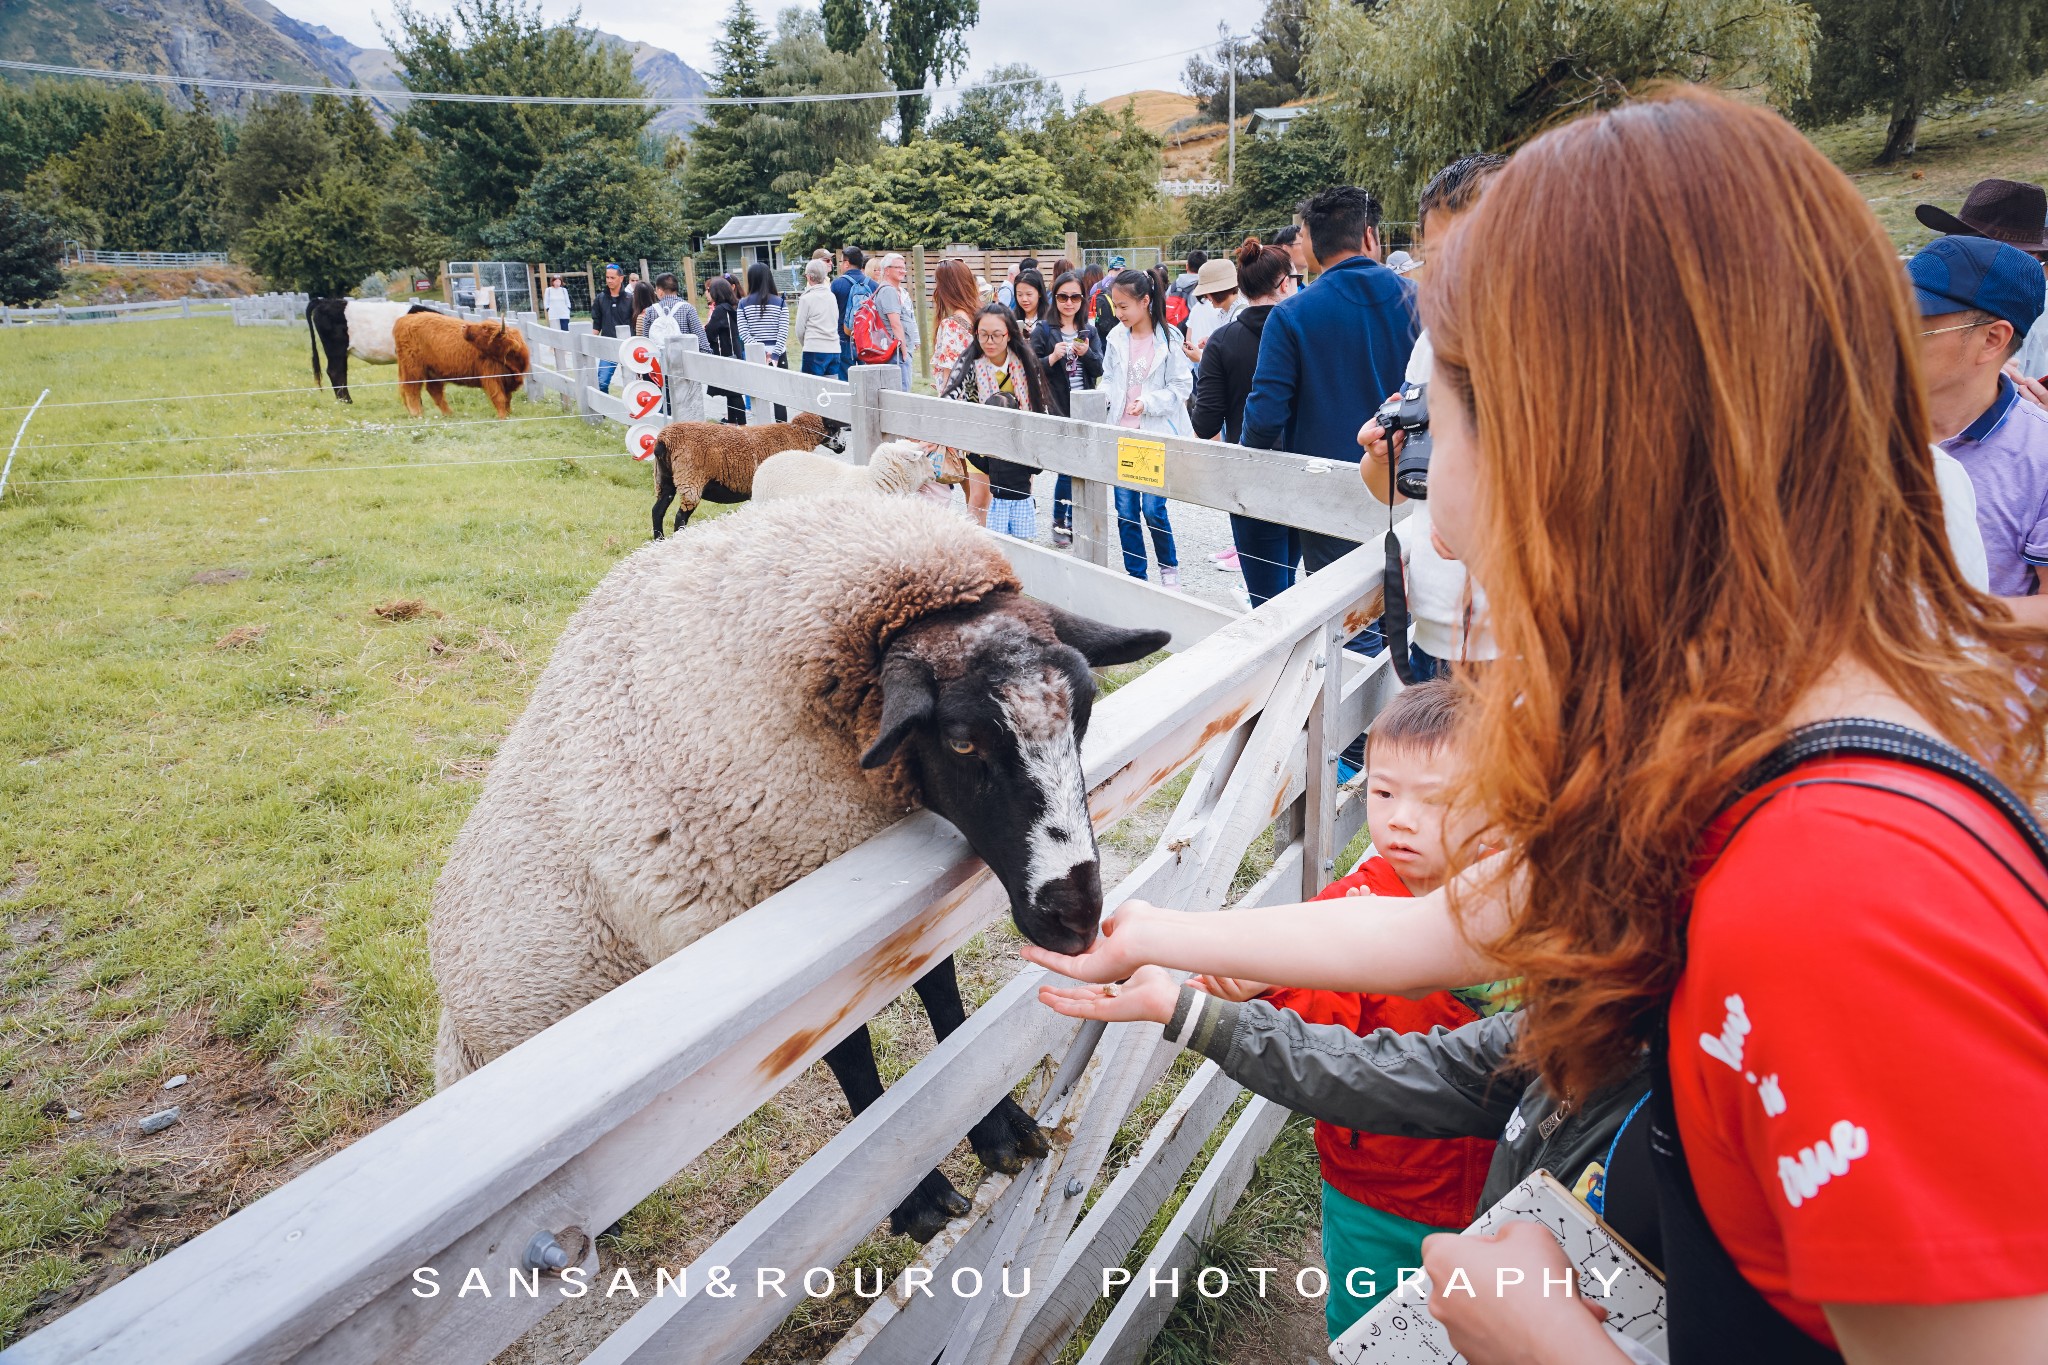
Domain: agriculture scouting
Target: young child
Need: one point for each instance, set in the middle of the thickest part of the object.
(1382, 1194)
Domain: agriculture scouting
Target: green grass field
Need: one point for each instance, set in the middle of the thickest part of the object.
(229, 782)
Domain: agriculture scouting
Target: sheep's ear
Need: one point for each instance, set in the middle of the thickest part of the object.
(909, 695)
(1102, 644)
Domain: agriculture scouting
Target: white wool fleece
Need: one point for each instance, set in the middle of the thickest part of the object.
(692, 748)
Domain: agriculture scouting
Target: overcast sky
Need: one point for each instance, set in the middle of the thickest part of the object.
(1090, 33)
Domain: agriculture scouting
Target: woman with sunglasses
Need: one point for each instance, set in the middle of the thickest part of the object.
(1072, 351)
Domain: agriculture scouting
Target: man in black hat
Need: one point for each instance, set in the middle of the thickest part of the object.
(2016, 213)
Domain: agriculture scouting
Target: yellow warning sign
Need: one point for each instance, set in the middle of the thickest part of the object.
(1141, 461)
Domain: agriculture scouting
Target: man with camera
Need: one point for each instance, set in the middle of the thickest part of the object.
(1434, 615)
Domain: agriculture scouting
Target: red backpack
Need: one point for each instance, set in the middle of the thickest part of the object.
(873, 342)
(1176, 310)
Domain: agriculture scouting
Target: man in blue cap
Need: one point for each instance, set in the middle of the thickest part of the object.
(1978, 298)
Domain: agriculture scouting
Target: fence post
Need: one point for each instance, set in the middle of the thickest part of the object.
(1070, 248)
(923, 306)
(868, 383)
(586, 372)
(685, 397)
(1095, 528)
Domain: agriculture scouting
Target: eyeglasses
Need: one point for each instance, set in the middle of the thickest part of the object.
(1068, 298)
(1959, 327)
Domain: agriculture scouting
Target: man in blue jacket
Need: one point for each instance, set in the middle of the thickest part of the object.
(1328, 356)
(844, 286)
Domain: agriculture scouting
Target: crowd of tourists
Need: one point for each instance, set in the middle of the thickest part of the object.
(1705, 875)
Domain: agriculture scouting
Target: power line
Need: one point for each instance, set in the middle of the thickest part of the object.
(581, 101)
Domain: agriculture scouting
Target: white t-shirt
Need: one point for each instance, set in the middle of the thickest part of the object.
(556, 301)
(1436, 586)
(1204, 317)
(1959, 510)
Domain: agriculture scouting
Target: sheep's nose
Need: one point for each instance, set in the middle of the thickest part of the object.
(1072, 902)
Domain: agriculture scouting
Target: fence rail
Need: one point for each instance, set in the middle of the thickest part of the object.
(165, 260)
(250, 311)
(645, 1079)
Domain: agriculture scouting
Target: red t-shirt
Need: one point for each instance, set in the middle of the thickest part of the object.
(1859, 1046)
(1428, 1180)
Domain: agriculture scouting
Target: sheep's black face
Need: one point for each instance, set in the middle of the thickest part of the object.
(991, 709)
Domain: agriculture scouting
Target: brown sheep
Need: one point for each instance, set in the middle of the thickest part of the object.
(693, 460)
(435, 350)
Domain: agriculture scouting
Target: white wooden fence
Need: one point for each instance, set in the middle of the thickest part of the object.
(163, 260)
(564, 1134)
(273, 309)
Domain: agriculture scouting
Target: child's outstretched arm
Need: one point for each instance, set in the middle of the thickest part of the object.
(1399, 947)
(1441, 1084)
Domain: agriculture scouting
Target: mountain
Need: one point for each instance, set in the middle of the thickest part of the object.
(254, 40)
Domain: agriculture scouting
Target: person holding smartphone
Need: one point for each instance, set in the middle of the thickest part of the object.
(1072, 350)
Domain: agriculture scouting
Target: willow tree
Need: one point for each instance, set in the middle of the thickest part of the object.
(1900, 57)
(1415, 84)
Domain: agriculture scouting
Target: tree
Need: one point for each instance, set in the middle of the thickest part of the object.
(922, 39)
(728, 170)
(1275, 172)
(932, 193)
(1011, 98)
(592, 200)
(46, 119)
(797, 143)
(147, 186)
(1416, 84)
(1268, 64)
(281, 150)
(1108, 163)
(1902, 56)
(480, 156)
(323, 239)
(31, 252)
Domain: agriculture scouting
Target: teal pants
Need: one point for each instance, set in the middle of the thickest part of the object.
(1364, 1248)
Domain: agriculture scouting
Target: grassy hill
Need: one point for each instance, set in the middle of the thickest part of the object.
(2005, 135)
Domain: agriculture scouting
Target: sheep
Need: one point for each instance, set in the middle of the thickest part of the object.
(436, 350)
(900, 468)
(729, 711)
(695, 460)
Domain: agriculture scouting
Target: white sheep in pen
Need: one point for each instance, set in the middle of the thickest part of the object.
(900, 468)
(733, 708)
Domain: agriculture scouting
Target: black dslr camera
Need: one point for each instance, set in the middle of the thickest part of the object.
(1408, 413)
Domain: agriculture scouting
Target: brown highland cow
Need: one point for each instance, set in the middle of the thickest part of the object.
(436, 350)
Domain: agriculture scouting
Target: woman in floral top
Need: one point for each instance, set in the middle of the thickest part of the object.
(955, 301)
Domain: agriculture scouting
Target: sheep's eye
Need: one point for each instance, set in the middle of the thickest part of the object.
(960, 746)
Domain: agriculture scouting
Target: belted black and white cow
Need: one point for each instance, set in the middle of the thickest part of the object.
(354, 327)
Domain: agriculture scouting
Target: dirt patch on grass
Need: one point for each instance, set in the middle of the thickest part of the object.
(157, 1191)
(215, 577)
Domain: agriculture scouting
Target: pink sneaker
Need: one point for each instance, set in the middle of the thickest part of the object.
(1225, 562)
(1169, 578)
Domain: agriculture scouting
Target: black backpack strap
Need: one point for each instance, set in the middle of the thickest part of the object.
(1716, 1314)
(1857, 738)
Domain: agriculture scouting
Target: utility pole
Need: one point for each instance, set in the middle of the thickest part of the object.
(1230, 62)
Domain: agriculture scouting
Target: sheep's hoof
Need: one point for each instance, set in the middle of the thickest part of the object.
(1008, 1138)
(932, 1205)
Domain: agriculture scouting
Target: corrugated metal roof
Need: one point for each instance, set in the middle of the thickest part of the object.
(754, 227)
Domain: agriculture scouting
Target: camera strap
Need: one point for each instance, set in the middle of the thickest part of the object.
(1394, 615)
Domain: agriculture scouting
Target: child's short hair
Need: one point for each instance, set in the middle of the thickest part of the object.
(1422, 717)
(1000, 399)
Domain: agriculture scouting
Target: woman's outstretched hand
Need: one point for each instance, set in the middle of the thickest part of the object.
(1148, 997)
(1114, 955)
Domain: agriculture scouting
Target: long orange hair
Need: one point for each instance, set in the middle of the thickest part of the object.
(953, 289)
(1692, 365)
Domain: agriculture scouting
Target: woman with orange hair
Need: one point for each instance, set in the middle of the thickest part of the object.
(1756, 759)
